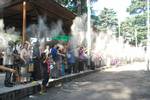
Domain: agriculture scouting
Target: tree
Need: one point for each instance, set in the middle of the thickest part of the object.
(73, 5)
(77, 6)
(127, 30)
(137, 6)
(137, 21)
(106, 20)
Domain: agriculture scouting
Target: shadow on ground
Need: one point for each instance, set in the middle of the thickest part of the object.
(123, 85)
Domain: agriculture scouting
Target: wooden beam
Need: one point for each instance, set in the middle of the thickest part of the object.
(24, 23)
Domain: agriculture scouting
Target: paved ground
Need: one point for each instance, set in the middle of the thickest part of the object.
(121, 83)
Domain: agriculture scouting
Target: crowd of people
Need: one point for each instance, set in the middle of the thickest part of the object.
(28, 62)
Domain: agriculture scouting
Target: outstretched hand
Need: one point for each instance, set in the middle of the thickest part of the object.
(12, 70)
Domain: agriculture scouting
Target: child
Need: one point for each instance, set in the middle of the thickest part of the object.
(45, 63)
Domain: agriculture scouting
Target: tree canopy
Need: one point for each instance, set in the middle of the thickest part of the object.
(106, 20)
(137, 22)
(77, 6)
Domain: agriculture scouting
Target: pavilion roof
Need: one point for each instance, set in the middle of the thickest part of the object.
(11, 12)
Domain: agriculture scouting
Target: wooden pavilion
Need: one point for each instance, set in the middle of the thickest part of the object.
(15, 14)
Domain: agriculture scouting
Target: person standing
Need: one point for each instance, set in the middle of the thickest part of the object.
(36, 62)
(71, 61)
(47, 51)
(76, 54)
(61, 57)
(81, 59)
(8, 62)
(54, 51)
(24, 55)
(31, 67)
(16, 55)
(45, 64)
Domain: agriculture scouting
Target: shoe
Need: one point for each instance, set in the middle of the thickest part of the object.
(12, 83)
(42, 93)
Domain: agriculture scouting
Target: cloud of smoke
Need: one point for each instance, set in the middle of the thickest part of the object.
(79, 31)
(42, 31)
(104, 45)
(4, 1)
(9, 35)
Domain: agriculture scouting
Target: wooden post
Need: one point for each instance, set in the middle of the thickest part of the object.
(24, 23)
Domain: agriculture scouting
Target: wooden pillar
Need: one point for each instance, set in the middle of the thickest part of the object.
(24, 23)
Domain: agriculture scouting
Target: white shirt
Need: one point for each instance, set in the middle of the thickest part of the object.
(24, 54)
(46, 51)
(8, 58)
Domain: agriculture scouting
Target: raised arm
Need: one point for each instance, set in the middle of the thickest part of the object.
(7, 69)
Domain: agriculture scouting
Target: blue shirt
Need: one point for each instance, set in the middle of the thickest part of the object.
(54, 53)
(71, 57)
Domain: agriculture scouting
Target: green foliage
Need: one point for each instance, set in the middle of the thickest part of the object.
(132, 24)
(137, 6)
(73, 5)
(137, 21)
(106, 20)
(76, 6)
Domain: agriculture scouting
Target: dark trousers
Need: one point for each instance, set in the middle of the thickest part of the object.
(36, 74)
(71, 68)
(81, 65)
(45, 79)
(1, 61)
(76, 67)
(8, 75)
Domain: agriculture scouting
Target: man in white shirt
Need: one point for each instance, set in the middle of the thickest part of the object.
(24, 55)
(8, 62)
